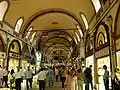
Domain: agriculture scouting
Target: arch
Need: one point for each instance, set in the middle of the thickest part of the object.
(96, 4)
(57, 43)
(80, 30)
(84, 19)
(29, 31)
(2, 44)
(19, 24)
(61, 48)
(98, 40)
(9, 48)
(12, 44)
(117, 17)
(48, 11)
(33, 35)
(3, 9)
(97, 29)
(57, 37)
(39, 40)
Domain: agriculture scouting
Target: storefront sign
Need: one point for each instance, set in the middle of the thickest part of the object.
(14, 55)
(102, 52)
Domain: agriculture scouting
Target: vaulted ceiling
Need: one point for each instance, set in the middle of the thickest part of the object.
(54, 22)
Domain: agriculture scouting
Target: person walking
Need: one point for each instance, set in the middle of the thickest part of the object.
(73, 82)
(63, 76)
(88, 79)
(49, 77)
(41, 79)
(80, 79)
(5, 77)
(56, 73)
(1, 76)
(29, 77)
(106, 78)
(17, 75)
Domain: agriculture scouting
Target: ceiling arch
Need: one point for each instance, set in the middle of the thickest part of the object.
(60, 44)
(65, 39)
(48, 11)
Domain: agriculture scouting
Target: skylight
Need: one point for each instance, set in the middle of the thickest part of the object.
(77, 36)
(97, 5)
(80, 31)
(29, 31)
(18, 25)
(85, 21)
(3, 8)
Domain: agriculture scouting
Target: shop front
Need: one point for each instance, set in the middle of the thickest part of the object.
(13, 61)
(90, 61)
(14, 55)
(2, 52)
(103, 58)
(118, 52)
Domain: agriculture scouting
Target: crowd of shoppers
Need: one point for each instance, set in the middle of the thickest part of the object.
(70, 78)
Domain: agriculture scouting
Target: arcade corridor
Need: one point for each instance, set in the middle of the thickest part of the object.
(61, 33)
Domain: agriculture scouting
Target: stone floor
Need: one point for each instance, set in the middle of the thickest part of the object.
(56, 86)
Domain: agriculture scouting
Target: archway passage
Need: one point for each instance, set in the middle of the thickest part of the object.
(14, 55)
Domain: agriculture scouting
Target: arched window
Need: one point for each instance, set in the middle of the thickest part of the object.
(96, 4)
(84, 20)
(75, 39)
(32, 36)
(3, 8)
(78, 38)
(80, 31)
(29, 31)
(18, 25)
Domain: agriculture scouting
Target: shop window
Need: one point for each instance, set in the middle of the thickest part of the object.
(84, 20)
(96, 4)
(18, 25)
(3, 8)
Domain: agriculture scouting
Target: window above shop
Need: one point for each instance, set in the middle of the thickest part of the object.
(32, 36)
(18, 24)
(75, 39)
(84, 20)
(80, 31)
(78, 38)
(97, 5)
(29, 31)
(3, 8)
